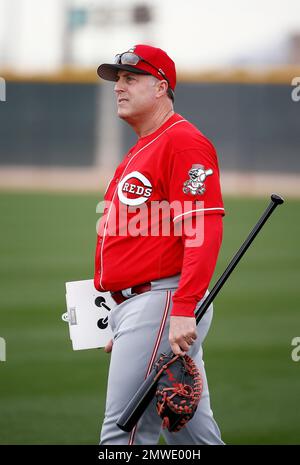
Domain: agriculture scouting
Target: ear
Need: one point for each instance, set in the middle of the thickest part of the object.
(162, 87)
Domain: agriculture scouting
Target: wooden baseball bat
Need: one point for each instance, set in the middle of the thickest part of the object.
(145, 393)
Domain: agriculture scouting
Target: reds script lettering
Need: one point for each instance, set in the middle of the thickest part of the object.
(139, 190)
(140, 193)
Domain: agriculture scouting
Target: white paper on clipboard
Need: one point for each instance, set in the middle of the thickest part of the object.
(87, 314)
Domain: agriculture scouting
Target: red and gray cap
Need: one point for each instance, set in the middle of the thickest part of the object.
(153, 61)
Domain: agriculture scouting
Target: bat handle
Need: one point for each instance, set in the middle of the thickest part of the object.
(136, 406)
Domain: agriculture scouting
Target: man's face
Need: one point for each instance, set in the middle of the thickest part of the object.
(136, 95)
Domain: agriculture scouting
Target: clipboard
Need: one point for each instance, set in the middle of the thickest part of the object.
(87, 315)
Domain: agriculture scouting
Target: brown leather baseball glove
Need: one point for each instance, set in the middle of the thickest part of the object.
(178, 390)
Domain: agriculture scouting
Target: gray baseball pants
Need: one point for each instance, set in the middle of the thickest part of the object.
(140, 327)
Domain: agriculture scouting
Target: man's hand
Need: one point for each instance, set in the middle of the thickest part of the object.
(108, 347)
(182, 334)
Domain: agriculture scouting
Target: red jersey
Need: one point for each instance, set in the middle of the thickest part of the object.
(169, 177)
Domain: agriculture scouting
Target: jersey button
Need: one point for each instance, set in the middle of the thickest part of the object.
(117, 180)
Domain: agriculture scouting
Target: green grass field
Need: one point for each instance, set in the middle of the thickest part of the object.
(50, 394)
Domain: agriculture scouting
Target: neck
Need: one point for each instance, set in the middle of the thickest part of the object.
(146, 126)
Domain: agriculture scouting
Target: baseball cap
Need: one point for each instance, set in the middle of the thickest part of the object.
(149, 60)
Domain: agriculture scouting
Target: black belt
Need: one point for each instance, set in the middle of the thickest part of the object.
(121, 296)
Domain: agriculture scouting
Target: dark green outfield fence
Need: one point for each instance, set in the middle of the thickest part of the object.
(255, 127)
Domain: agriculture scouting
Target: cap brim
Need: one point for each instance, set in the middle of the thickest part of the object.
(110, 72)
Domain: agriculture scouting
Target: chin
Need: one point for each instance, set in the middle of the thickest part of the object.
(123, 114)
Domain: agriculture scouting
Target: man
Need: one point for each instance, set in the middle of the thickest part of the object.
(157, 279)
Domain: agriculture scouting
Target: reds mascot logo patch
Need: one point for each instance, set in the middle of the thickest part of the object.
(134, 189)
(195, 185)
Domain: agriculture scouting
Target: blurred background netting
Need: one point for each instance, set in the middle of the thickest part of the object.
(238, 66)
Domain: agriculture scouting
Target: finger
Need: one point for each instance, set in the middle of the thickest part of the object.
(108, 347)
(176, 349)
(193, 336)
(189, 340)
(185, 345)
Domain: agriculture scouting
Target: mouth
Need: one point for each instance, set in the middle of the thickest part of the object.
(121, 100)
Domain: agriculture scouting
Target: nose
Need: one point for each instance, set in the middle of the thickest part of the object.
(118, 87)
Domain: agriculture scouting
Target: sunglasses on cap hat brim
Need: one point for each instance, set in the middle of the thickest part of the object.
(130, 58)
(109, 72)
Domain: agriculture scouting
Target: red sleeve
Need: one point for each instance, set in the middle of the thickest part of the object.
(194, 189)
(198, 267)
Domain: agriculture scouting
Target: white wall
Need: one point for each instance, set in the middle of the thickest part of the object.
(34, 35)
(196, 33)
(214, 33)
